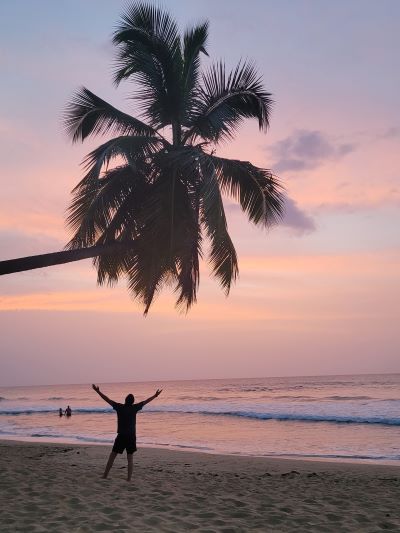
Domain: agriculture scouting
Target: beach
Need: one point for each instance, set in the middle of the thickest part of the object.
(58, 488)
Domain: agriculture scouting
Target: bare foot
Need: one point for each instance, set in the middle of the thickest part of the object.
(103, 476)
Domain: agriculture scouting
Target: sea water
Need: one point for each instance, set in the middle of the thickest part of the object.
(326, 417)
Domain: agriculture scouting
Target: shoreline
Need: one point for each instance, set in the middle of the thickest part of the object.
(272, 461)
(58, 488)
(189, 449)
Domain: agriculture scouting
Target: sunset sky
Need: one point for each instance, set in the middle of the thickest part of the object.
(319, 294)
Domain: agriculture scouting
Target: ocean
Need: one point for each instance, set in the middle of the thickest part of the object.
(353, 418)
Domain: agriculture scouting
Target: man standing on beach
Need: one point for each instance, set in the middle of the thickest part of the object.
(126, 433)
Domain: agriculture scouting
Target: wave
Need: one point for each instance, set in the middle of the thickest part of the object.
(319, 398)
(65, 398)
(336, 456)
(71, 437)
(297, 417)
(173, 445)
(389, 400)
(47, 410)
(13, 399)
(347, 398)
(204, 398)
(54, 398)
(97, 440)
(290, 397)
(260, 388)
(50, 398)
(279, 416)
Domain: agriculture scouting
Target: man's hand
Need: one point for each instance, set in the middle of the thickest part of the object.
(105, 398)
(157, 393)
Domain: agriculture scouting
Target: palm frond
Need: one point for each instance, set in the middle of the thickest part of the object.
(169, 243)
(95, 203)
(149, 52)
(223, 258)
(188, 267)
(150, 29)
(188, 245)
(225, 100)
(130, 148)
(87, 114)
(96, 197)
(127, 224)
(154, 261)
(111, 267)
(194, 43)
(147, 274)
(256, 189)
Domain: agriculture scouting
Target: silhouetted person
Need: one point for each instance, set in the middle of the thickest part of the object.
(60, 412)
(68, 411)
(126, 433)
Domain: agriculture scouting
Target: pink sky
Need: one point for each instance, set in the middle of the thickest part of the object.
(319, 294)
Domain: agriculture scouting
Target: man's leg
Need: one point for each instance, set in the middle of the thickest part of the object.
(130, 465)
(109, 464)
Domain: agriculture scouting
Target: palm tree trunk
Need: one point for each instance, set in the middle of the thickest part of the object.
(58, 258)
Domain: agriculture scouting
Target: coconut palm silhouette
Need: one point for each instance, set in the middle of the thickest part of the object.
(152, 195)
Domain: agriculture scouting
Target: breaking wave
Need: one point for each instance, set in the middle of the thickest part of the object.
(257, 415)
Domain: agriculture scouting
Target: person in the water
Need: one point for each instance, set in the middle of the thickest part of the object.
(68, 411)
(126, 432)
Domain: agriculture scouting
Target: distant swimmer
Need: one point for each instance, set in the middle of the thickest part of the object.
(60, 412)
(126, 433)
(68, 411)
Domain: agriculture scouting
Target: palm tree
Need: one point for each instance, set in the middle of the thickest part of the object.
(153, 194)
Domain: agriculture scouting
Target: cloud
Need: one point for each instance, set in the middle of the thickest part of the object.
(391, 133)
(307, 149)
(296, 219)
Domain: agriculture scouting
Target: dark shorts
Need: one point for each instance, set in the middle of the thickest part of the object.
(124, 442)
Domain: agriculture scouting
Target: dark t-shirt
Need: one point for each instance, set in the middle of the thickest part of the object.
(127, 417)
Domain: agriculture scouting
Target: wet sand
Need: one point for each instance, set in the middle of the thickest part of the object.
(58, 488)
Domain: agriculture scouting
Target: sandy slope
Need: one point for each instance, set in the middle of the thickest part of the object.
(48, 487)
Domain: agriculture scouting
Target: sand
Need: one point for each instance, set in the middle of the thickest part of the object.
(57, 488)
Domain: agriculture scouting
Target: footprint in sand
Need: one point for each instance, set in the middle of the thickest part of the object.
(291, 474)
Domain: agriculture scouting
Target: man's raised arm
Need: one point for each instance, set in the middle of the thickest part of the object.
(105, 398)
(157, 393)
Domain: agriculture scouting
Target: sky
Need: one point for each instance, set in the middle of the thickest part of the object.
(319, 294)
